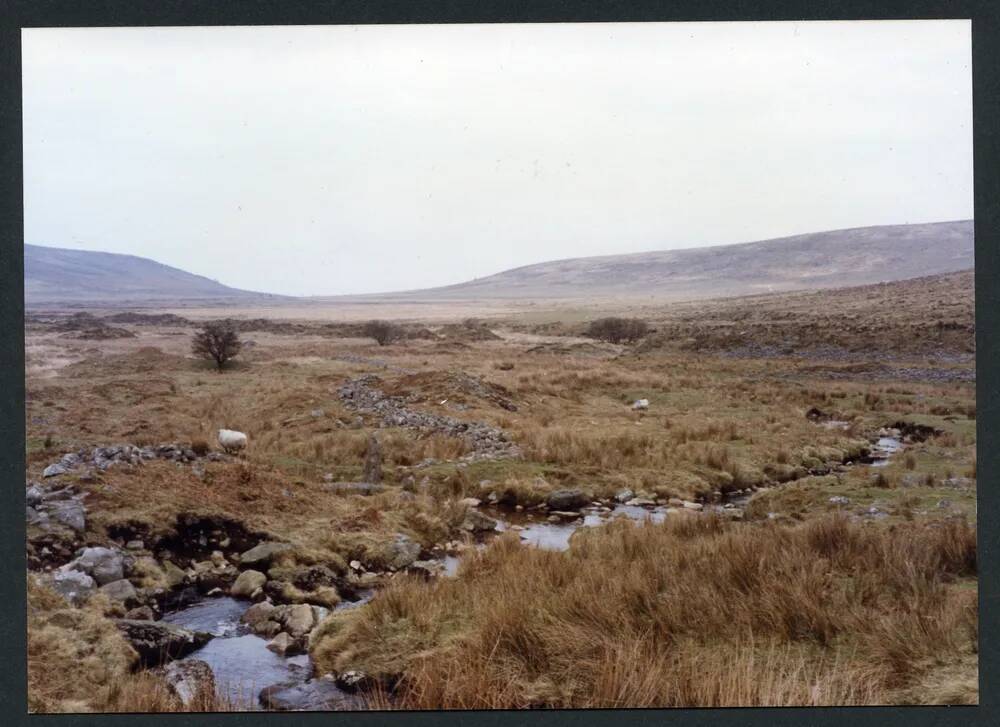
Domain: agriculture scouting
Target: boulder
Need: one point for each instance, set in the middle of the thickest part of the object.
(320, 694)
(248, 582)
(55, 469)
(570, 499)
(121, 590)
(70, 513)
(402, 552)
(189, 680)
(158, 642)
(34, 495)
(104, 565)
(280, 644)
(142, 613)
(175, 576)
(263, 553)
(477, 522)
(298, 620)
(75, 586)
(257, 614)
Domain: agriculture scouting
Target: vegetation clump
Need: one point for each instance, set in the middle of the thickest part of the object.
(618, 330)
(383, 332)
(217, 341)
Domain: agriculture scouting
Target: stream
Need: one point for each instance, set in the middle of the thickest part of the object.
(243, 665)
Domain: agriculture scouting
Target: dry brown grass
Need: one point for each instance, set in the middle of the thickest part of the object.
(690, 613)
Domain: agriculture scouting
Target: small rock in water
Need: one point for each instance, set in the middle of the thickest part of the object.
(688, 505)
(280, 644)
(247, 583)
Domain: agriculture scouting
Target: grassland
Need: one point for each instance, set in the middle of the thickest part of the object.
(797, 599)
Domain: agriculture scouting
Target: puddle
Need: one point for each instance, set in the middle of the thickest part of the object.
(537, 531)
(883, 450)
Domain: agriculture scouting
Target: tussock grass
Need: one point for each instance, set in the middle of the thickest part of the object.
(693, 612)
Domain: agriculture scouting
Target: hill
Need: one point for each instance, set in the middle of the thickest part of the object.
(81, 277)
(834, 259)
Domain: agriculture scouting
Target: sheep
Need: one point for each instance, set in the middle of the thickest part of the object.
(641, 405)
(232, 441)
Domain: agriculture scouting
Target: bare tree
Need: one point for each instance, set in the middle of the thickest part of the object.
(618, 330)
(217, 341)
(383, 332)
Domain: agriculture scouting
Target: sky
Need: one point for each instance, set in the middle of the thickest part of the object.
(327, 160)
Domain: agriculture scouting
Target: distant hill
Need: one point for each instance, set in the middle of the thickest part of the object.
(834, 259)
(54, 276)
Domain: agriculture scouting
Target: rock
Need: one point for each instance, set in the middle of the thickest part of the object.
(558, 515)
(257, 613)
(688, 505)
(402, 552)
(70, 513)
(624, 495)
(642, 502)
(157, 642)
(263, 553)
(640, 405)
(175, 576)
(34, 495)
(317, 413)
(135, 545)
(355, 565)
(353, 680)
(280, 644)
(248, 582)
(120, 590)
(189, 680)
(75, 586)
(840, 501)
(54, 470)
(470, 501)
(477, 522)
(571, 499)
(104, 565)
(298, 620)
(315, 695)
(142, 613)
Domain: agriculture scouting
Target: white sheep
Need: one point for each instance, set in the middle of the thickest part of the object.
(641, 405)
(232, 441)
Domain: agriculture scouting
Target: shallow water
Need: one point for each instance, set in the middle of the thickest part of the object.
(556, 536)
(884, 448)
(241, 661)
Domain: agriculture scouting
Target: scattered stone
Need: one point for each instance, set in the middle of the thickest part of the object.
(840, 501)
(104, 565)
(641, 502)
(353, 680)
(54, 470)
(688, 505)
(470, 501)
(314, 695)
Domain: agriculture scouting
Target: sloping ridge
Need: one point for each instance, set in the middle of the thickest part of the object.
(834, 259)
(57, 275)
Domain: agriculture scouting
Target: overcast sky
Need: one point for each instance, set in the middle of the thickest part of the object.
(329, 160)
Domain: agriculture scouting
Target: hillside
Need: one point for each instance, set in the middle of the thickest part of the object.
(55, 275)
(833, 259)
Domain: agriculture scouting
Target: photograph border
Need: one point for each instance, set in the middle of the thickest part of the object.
(985, 16)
